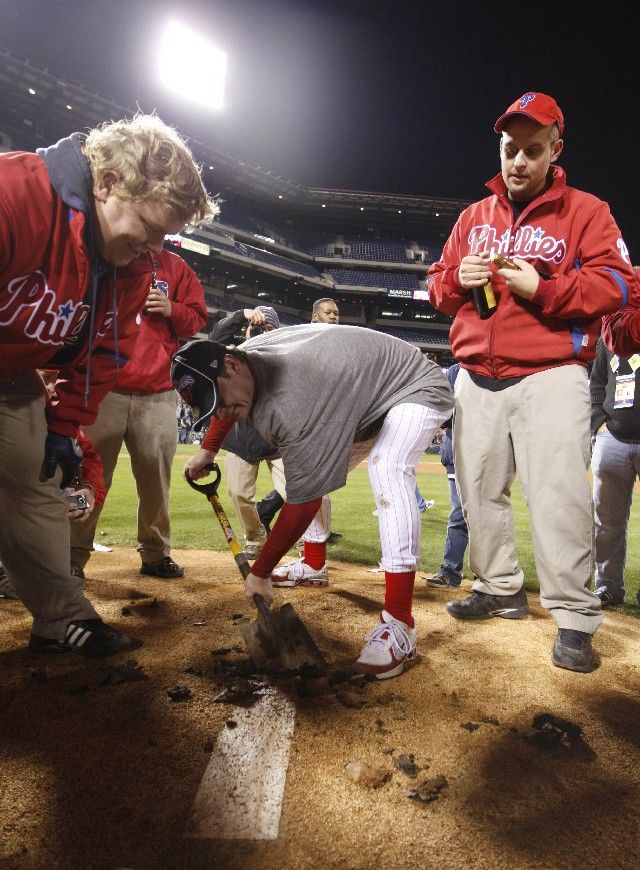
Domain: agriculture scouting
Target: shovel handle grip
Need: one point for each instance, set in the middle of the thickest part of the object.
(211, 487)
(211, 491)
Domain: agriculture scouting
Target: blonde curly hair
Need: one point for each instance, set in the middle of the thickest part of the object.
(152, 161)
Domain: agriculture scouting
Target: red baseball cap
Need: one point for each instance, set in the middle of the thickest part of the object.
(539, 107)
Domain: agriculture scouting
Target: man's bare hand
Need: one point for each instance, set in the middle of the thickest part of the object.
(158, 303)
(195, 468)
(523, 281)
(254, 585)
(81, 515)
(474, 271)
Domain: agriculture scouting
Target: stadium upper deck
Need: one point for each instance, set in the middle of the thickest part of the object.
(275, 239)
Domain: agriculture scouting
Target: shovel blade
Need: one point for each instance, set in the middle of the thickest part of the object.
(278, 641)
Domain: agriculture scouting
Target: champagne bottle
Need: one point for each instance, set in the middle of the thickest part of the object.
(483, 297)
(485, 301)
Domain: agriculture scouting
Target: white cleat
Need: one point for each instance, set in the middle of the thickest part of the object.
(298, 573)
(387, 648)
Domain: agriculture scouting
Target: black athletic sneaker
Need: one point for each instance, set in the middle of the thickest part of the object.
(572, 650)
(86, 637)
(480, 605)
(441, 581)
(166, 568)
(609, 598)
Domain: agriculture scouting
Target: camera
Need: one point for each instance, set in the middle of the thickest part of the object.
(255, 329)
(78, 502)
(156, 287)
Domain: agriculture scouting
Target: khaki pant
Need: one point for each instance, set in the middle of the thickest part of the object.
(539, 427)
(146, 424)
(241, 487)
(34, 525)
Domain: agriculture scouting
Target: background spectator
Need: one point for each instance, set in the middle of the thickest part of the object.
(140, 411)
(615, 463)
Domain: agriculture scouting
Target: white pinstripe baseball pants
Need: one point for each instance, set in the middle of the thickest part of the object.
(406, 432)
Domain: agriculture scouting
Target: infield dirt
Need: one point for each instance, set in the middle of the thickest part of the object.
(101, 760)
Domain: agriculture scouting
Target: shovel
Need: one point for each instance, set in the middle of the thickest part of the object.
(278, 639)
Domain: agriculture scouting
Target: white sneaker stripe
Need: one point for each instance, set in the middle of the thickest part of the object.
(78, 636)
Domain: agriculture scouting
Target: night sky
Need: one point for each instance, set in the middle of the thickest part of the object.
(394, 97)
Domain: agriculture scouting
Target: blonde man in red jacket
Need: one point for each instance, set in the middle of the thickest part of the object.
(72, 215)
(522, 396)
(140, 411)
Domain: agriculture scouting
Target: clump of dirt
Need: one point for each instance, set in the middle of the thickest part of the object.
(115, 675)
(179, 693)
(406, 763)
(367, 775)
(353, 700)
(550, 732)
(241, 691)
(144, 604)
(428, 790)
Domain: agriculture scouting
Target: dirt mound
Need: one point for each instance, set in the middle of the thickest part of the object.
(484, 754)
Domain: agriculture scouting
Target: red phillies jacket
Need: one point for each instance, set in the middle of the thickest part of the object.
(59, 306)
(572, 240)
(45, 272)
(53, 293)
(148, 369)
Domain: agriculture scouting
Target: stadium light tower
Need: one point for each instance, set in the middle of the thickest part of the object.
(192, 66)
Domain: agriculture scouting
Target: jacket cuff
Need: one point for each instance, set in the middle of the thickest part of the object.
(545, 294)
(456, 286)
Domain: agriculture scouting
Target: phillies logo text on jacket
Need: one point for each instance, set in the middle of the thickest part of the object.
(528, 243)
(45, 324)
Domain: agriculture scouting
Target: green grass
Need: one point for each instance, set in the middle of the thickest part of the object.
(194, 524)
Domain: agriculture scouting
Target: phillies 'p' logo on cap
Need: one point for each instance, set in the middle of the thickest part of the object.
(539, 107)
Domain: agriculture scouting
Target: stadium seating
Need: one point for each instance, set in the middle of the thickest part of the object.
(285, 263)
(368, 249)
(364, 278)
(237, 218)
(416, 336)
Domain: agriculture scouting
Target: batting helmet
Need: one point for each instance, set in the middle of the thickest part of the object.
(194, 372)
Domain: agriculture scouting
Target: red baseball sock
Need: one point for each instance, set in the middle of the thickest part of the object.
(315, 555)
(398, 595)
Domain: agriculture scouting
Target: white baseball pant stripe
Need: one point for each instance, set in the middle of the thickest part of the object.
(406, 433)
(319, 528)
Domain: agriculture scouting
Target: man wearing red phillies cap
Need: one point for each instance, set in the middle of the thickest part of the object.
(539, 107)
(524, 334)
